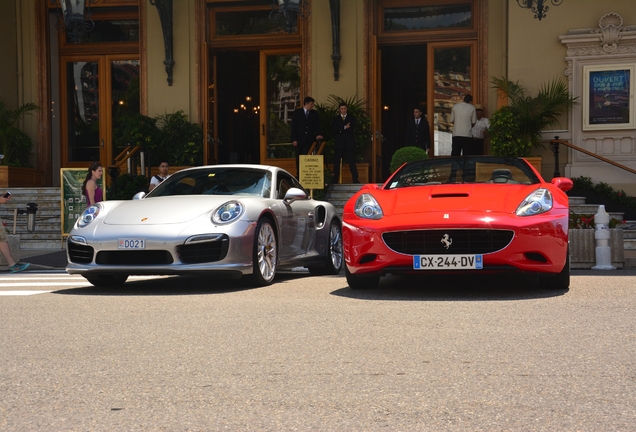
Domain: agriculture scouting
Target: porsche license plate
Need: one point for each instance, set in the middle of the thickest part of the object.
(448, 262)
(131, 243)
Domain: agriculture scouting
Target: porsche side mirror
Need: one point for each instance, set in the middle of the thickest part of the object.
(294, 194)
(563, 183)
(139, 195)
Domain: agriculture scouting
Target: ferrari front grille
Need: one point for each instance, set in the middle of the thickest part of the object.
(78, 253)
(448, 242)
(203, 252)
(134, 257)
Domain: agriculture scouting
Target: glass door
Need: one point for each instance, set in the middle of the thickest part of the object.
(280, 92)
(100, 94)
(451, 77)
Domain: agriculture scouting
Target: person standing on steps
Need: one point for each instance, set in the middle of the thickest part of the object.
(343, 126)
(305, 129)
(463, 117)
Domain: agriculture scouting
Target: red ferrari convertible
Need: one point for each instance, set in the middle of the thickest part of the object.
(481, 214)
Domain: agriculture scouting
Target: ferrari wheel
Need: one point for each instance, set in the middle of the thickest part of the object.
(333, 262)
(265, 256)
(361, 282)
(106, 280)
(561, 280)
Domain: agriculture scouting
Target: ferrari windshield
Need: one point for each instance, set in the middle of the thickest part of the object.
(217, 181)
(467, 169)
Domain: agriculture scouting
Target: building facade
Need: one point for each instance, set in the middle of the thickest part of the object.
(239, 67)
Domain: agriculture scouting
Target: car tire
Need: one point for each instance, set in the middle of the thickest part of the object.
(334, 258)
(561, 280)
(361, 282)
(106, 280)
(265, 254)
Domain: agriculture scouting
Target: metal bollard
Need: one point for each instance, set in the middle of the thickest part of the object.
(602, 236)
(31, 210)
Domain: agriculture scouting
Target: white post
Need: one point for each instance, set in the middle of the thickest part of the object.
(602, 236)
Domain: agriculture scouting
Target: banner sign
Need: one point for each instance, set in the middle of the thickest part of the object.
(73, 201)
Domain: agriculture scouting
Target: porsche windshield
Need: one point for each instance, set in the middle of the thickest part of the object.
(217, 181)
(468, 169)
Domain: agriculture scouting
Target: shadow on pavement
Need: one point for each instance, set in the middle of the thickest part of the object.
(174, 285)
(454, 288)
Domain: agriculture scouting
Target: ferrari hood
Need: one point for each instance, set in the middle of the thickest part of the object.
(461, 197)
(160, 210)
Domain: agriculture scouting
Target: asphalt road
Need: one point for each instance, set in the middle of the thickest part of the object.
(308, 353)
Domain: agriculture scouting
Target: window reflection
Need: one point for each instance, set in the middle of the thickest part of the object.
(283, 96)
(428, 17)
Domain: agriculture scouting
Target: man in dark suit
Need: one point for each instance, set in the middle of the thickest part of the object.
(343, 125)
(305, 129)
(417, 131)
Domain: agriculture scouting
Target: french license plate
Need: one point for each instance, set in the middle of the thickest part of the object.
(131, 243)
(448, 262)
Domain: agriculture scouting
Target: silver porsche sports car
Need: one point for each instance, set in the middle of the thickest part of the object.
(230, 220)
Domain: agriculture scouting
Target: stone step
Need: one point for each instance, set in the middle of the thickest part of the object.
(576, 200)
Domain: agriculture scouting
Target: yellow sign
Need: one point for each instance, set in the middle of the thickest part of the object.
(312, 171)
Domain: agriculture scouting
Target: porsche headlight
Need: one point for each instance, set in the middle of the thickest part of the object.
(89, 215)
(367, 207)
(539, 201)
(228, 212)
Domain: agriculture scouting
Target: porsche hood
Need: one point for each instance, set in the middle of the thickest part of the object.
(159, 211)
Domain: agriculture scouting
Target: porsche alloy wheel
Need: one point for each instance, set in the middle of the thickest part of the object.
(333, 261)
(105, 280)
(361, 282)
(265, 257)
(334, 254)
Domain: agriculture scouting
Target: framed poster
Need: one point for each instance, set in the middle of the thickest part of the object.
(73, 201)
(608, 97)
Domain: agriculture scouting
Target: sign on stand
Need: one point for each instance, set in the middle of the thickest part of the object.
(73, 200)
(312, 172)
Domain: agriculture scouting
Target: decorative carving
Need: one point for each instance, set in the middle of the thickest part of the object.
(334, 6)
(611, 26)
(164, 8)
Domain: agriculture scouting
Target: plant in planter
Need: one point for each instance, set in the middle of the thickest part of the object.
(516, 129)
(170, 136)
(15, 144)
(407, 154)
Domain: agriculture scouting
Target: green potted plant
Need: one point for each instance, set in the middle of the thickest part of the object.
(15, 144)
(516, 129)
(407, 154)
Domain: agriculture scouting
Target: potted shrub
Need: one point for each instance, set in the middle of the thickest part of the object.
(15, 146)
(407, 154)
(516, 129)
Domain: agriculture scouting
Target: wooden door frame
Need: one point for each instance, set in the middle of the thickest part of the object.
(105, 109)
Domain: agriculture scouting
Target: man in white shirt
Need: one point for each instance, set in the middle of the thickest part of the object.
(163, 174)
(480, 130)
(463, 117)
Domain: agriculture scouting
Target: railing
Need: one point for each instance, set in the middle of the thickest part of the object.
(126, 157)
(554, 145)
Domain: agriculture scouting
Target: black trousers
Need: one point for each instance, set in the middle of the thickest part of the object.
(349, 153)
(462, 146)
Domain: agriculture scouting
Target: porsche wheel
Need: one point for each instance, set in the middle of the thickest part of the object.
(265, 256)
(106, 280)
(361, 282)
(333, 261)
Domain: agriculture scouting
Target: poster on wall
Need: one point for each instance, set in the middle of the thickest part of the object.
(73, 200)
(608, 97)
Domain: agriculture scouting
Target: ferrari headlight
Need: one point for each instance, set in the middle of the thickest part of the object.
(367, 207)
(228, 212)
(539, 201)
(89, 215)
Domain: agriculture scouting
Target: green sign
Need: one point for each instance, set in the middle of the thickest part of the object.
(73, 201)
